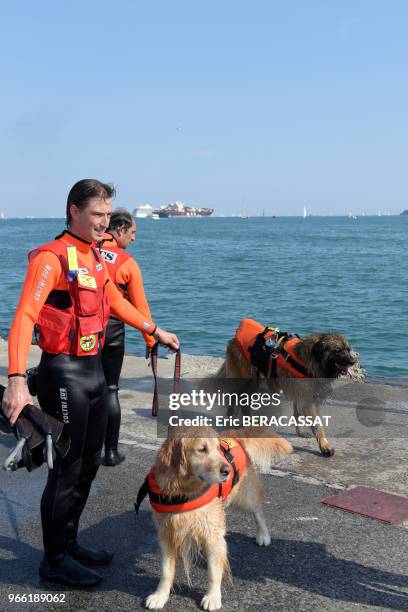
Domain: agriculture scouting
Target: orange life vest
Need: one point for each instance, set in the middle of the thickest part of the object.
(231, 450)
(268, 347)
(73, 322)
(114, 257)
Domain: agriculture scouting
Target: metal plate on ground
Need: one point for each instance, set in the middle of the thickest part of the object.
(375, 504)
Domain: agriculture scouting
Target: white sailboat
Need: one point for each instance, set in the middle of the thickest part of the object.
(304, 212)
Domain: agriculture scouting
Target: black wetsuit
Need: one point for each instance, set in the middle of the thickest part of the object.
(72, 389)
(112, 360)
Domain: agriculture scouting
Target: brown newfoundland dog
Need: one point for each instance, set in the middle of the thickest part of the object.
(303, 368)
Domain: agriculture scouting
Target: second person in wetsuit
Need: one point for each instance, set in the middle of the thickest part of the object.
(125, 273)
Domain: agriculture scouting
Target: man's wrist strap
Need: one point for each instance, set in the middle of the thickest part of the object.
(154, 331)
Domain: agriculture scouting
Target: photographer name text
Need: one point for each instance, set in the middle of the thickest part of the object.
(253, 420)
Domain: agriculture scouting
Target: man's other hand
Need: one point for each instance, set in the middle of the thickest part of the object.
(15, 397)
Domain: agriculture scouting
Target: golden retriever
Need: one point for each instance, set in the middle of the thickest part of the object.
(185, 464)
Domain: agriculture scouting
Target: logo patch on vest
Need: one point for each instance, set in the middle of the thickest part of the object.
(99, 267)
(87, 343)
(109, 256)
(87, 281)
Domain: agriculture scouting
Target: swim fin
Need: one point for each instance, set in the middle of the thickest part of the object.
(40, 437)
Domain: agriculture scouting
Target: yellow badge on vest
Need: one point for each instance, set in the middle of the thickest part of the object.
(86, 281)
(230, 442)
(87, 343)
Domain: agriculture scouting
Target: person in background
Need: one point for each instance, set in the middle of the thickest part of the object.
(126, 274)
(68, 296)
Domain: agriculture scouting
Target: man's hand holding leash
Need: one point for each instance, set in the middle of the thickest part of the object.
(165, 338)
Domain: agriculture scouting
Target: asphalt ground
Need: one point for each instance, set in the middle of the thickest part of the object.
(320, 557)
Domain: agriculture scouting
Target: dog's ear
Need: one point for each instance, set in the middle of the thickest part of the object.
(173, 454)
(318, 350)
(180, 457)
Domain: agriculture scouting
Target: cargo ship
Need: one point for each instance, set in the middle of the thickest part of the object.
(178, 209)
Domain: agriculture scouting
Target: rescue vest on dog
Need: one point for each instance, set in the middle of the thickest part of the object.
(232, 451)
(268, 347)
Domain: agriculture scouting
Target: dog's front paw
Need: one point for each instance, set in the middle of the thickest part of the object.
(263, 539)
(211, 601)
(328, 452)
(157, 600)
(326, 449)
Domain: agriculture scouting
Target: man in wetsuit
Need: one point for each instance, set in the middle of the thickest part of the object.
(67, 295)
(126, 274)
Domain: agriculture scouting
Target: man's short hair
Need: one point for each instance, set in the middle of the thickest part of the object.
(120, 218)
(86, 189)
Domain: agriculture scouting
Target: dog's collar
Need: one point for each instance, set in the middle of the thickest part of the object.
(165, 501)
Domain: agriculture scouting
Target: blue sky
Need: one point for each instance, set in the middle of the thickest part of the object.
(240, 106)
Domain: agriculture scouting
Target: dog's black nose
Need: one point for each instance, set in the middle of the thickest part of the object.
(225, 470)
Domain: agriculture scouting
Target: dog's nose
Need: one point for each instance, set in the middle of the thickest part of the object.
(225, 470)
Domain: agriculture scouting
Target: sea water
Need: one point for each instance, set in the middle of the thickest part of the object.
(203, 275)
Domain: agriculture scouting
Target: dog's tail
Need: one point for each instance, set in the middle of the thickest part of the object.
(232, 354)
(221, 372)
(261, 445)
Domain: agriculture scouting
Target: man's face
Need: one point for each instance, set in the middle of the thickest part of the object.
(91, 222)
(126, 236)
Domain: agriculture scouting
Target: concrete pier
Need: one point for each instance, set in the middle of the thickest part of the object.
(320, 557)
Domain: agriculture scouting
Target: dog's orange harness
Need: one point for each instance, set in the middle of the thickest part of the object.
(268, 347)
(231, 450)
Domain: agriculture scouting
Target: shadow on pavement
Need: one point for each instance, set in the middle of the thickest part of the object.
(309, 566)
